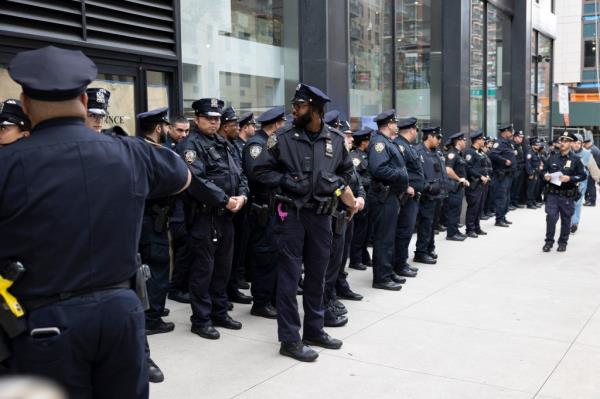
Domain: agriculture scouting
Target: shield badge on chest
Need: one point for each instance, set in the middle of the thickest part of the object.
(255, 151)
(189, 156)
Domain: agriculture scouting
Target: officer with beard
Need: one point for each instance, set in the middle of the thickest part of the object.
(308, 163)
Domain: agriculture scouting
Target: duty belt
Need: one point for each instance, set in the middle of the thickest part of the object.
(36, 303)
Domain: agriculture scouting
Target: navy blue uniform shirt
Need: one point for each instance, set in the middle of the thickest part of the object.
(569, 165)
(71, 205)
(414, 164)
(501, 151)
(386, 164)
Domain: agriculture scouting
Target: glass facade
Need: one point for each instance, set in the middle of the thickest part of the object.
(371, 59)
(413, 55)
(239, 51)
(490, 67)
(544, 84)
(121, 105)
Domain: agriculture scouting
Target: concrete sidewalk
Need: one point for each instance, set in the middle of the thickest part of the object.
(495, 318)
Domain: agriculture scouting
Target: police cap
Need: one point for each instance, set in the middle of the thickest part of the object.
(345, 126)
(476, 135)
(228, 115)
(578, 137)
(518, 133)
(12, 113)
(98, 101)
(507, 126)
(63, 75)
(451, 138)
(566, 135)
(407, 123)
(208, 107)
(246, 119)
(432, 131)
(271, 116)
(332, 118)
(385, 117)
(310, 94)
(158, 115)
(362, 134)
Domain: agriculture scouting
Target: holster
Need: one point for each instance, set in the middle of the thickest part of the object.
(475, 182)
(381, 191)
(161, 218)
(261, 213)
(403, 198)
(142, 275)
(339, 222)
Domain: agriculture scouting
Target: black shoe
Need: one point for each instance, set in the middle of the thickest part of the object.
(507, 221)
(406, 272)
(208, 332)
(587, 203)
(461, 234)
(433, 255)
(539, 204)
(227, 323)
(531, 206)
(424, 258)
(165, 312)
(573, 228)
(501, 223)
(358, 266)
(155, 374)
(472, 234)
(180, 296)
(324, 341)
(520, 206)
(388, 285)
(299, 291)
(244, 285)
(561, 248)
(460, 225)
(547, 247)
(436, 231)
(442, 228)
(267, 311)
(480, 232)
(239, 297)
(333, 320)
(455, 238)
(350, 295)
(298, 351)
(339, 308)
(397, 279)
(161, 328)
(512, 208)
(484, 217)
(229, 306)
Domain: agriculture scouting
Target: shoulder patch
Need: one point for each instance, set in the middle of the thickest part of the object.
(272, 141)
(468, 157)
(356, 162)
(379, 147)
(189, 156)
(254, 150)
(516, 152)
(528, 156)
(451, 156)
(496, 145)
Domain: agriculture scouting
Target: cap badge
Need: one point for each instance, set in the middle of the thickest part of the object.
(100, 97)
(214, 103)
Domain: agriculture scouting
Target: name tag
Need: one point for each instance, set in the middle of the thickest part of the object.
(328, 149)
(568, 164)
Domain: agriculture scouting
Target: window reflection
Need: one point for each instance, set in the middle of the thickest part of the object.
(477, 63)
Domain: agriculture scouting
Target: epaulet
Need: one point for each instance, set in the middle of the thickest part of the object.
(153, 143)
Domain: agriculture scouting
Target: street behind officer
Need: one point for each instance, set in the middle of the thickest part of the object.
(359, 255)
(97, 108)
(389, 181)
(436, 189)
(85, 326)
(154, 240)
(457, 173)
(476, 165)
(14, 124)
(409, 203)
(504, 160)
(307, 161)
(560, 199)
(218, 190)
(262, 247)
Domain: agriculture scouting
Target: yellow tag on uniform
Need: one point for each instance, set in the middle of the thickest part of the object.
(568, 164)
(379, 147)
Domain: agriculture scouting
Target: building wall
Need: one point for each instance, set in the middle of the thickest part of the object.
(567, 50)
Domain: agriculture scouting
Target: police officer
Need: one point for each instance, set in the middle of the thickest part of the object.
(218, 190)
(81, 313)
(247, 125)
(533, 166)
(307, 161)
(560, 199)
(14, 124)
(389, 181)
(230, 131)
(487, 201)
(457, 173)
(478, 178)
(504, 160)
(359, 255)
(262, 247)
(179, 129)
(154, 240)
(588, 144)
(519, 174)
(436, 189)
(97, 108)
(409, 207)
